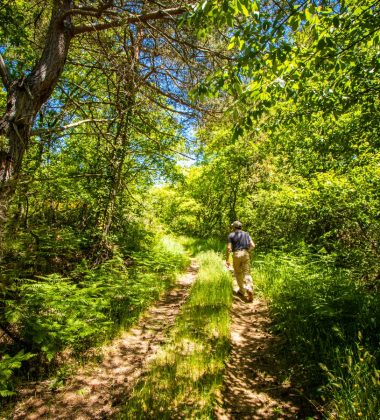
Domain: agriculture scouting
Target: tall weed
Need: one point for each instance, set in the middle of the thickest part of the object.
(353, 388)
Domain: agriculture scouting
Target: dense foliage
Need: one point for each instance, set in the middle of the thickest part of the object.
(297, 160)
(284, 96)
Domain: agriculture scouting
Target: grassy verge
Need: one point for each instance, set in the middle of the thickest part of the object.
(197, 245)
(183, 380)
(332, 327)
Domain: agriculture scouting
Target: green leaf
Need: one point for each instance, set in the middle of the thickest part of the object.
(243, 9)
(308, 15)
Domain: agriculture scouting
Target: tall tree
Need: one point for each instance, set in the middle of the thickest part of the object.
(28, 89)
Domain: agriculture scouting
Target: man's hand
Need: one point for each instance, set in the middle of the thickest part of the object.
(228, 252)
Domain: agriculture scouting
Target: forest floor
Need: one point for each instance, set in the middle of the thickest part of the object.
(252, 385)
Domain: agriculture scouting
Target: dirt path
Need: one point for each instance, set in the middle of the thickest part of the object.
(255, 385)
(96, 393)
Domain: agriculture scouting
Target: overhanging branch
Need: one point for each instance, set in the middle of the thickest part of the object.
(159, 14)
(65, 127)
(90, 11)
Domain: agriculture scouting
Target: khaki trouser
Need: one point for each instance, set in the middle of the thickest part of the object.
(242, 270)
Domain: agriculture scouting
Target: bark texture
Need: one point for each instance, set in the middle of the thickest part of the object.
(26, 95)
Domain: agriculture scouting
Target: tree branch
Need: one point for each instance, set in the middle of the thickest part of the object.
(12, 335)
(159, 14)
(160, 145)
(90, 11)
(5, 77)
(174, 98)
(65, 127)
(191, 45)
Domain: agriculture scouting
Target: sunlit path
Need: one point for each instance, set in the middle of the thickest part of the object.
(98, 392)
(254, 384)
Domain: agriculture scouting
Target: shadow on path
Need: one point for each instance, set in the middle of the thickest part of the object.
(256, 382)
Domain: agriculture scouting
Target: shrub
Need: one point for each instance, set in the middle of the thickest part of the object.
(320, 310)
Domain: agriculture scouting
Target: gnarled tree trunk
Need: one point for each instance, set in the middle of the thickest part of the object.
(25, 97)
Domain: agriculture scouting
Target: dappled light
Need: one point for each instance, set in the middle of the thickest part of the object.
(96, 391)
(152, 153)
(257, 382)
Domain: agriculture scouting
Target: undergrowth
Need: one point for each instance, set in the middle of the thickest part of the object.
(72, 313)
(184, 378)
(331, 325)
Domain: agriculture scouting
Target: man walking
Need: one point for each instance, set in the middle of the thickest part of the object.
(240, 243)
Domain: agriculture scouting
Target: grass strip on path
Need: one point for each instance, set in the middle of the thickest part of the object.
(185, 376)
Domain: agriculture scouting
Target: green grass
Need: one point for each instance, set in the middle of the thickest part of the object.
(166, 257)
(184, 378)
(353, 388)
(321, 311)
(197, 245)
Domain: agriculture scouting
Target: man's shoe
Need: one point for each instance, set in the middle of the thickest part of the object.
(249, 296)
(240, 294)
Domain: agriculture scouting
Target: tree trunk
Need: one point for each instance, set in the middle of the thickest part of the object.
(26, 95)
(125, 100)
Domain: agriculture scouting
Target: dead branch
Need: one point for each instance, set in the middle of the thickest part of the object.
(159, 14)
(65, 127)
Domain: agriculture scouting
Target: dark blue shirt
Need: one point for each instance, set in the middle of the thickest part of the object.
(239, 240)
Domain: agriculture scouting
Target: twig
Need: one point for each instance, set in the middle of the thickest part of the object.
(65, 127)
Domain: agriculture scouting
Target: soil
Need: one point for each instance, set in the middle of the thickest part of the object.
(256, 381)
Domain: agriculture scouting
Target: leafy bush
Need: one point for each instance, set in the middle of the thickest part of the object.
(56, 312)
(52, 313)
